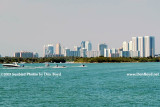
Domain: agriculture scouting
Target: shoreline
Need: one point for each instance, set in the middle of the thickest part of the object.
(4, 60)
(112, 62)
(82, 62)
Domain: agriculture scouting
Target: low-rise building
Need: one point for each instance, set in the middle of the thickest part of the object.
(75, 53)
(35, 55)
(111, 52)
(67, 52)
(93, 54)
(129, 54)
(48, 50)
(83, 52)
(24, 54)
(17, 54)
(124, 54)
(134, 53)
(114, 53)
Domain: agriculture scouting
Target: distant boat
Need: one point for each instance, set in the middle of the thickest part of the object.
(11, 65)
(47, 64)
(23, 62)
(69, 62)
(83, 65)
(57, 66)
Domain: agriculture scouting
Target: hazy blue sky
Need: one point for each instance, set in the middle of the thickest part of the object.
(29, 24)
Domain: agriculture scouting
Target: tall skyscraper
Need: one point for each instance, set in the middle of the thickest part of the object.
(134, 44)
(62, 50)
(107, 52)
(130, 46)
(48, 50)
(58, 49)
(125, 46)
(140, 46)
(101, 48)
(88, 45)
(149, 46)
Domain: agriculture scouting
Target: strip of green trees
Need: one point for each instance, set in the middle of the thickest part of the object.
(32, 60)
(118, 60)
(77, 59)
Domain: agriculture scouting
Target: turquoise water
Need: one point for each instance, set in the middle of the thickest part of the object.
(96, 85)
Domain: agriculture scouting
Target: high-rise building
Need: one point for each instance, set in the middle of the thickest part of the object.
(92, 54)
(76, 48)
(134, 52)
(134, 44)
(48, 50)
(75, 53)
(82, 44)
(124, 53)
(83, 52)
(149, 46)
(62, 50)
(17, 54)
(130, 46)
(107, 52)
(58, 49)
(114, 52)
(125, 46)
(111, 52)
(67, 52)
(88, 45)
(101, 48)
(24, 54)
(140, 46)
(35, 55)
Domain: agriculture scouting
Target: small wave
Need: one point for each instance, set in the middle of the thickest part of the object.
(20, 68)
(79, 66)
(59, 67)
(40, 67)
(10, 68)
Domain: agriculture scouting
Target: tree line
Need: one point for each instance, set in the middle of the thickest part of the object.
(117, 59)
(77, 59)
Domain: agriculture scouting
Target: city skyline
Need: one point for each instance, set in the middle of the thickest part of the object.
(28, 25)
(138, 47)
(136, 44)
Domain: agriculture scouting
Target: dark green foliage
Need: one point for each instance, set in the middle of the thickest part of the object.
(32, 60)
(118, 59)
(77, 59)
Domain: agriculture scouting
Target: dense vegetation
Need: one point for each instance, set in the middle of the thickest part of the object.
(77, 59)
(118, 59)
(32, 60)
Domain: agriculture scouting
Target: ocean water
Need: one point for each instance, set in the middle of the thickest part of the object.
(96, 85)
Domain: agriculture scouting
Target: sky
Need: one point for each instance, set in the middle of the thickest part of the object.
(27, 25)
